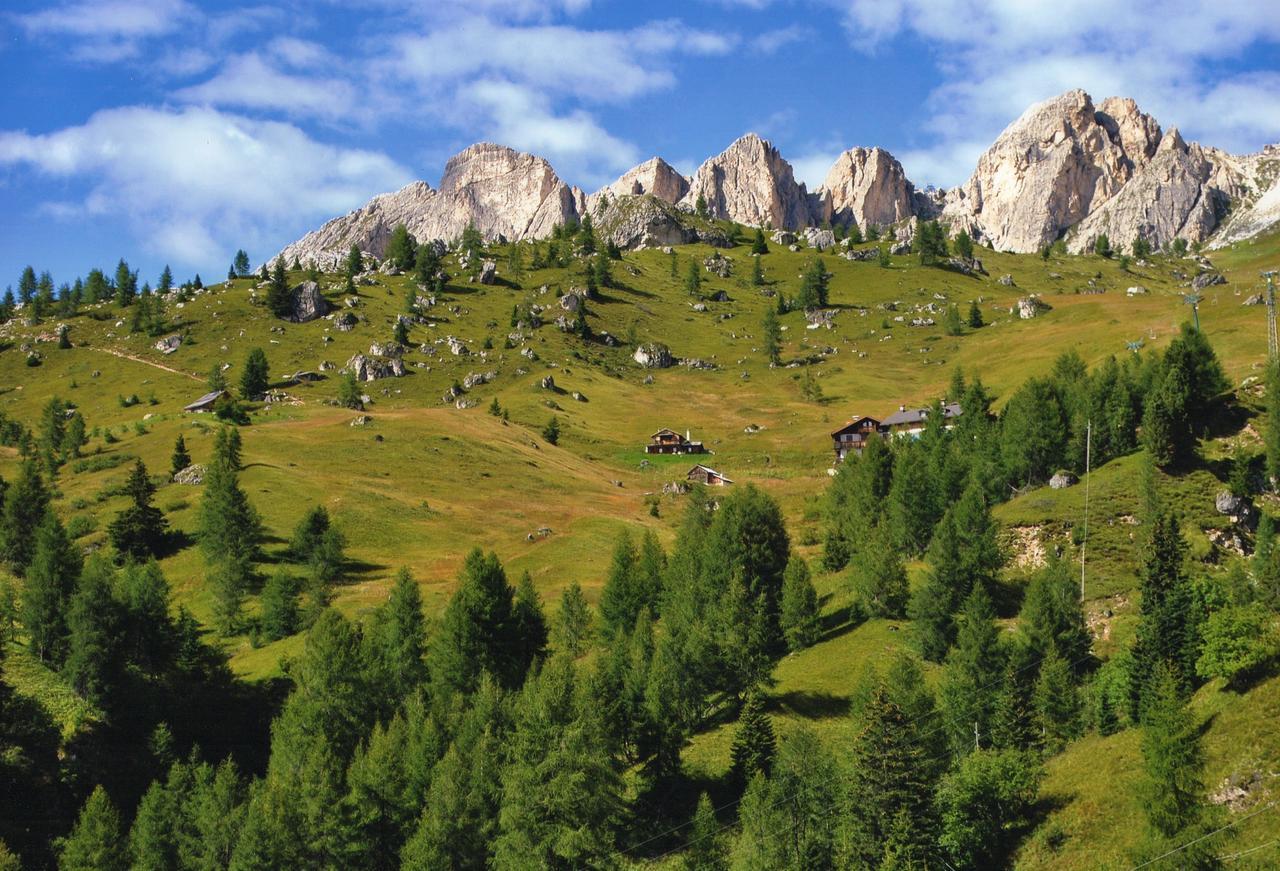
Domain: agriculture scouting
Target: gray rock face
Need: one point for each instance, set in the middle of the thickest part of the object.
(644, 221)
(488, 272)
(1049, 169)
(1207, 279)
(502, 191)
(652, 355)
(1031, 306)
(868, 186)
(818, 239)
(371, 368)
(749, 182)
(1062, 480)
(307, 303)
(169, 344)
(193, 474)
(654, 177)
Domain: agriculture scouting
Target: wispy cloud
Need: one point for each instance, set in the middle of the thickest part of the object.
(771, 41)
(196, 183)
(251, 82)
(110, 30)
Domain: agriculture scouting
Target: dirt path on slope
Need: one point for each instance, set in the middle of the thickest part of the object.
(122, 355)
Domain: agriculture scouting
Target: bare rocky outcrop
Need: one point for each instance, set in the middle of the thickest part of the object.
(655, 177)
(643, 221)
(372, 368)
(502, 191)
(749, 182)
(1049, 170)
(652, 355)
(307, 303)
(868, 186)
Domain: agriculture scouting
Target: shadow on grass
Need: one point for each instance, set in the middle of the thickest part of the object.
(810, 705)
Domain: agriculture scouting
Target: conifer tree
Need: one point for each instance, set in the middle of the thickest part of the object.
(754, 744)
(279, 299)
(401, 248)
(96, 842)
(139, 531)
(889, 782)
(279, 606)
(984, 802)
(973, 670)
(531, 632)
(476, 632)
(50, 581)
(1052, 619)
(705, 850)
(1057, 704)
(153, 844)
(1012, 725)
(692, 279)
(912, 499)
(801, 617)
(180, 459)
(255, 377)
(620, 601)
(573, 621)
(758, 243)
(1168, 628)
(757, 272)
(93, 629)
(772, 337)
(879, 577)
(26, 501)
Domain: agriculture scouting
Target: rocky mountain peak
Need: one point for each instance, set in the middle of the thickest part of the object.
(750, 182)
(655, 177)
(868, 186)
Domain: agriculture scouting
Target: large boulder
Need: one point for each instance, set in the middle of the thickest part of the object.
(654, 355)
(488, 272)
(819, 239)
(307, 303)
(373, 368)
(1031, 306)
(1207, 279)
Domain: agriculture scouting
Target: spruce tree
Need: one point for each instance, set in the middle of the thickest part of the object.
(139, 531)
(401, 248)
(573, 621)
(529, 624)
(50, 581)
(1052, 618)
(476, 633)
(757, 272)
(984, 803)
(705, 845)
(279, 606)
(772, 337)
(800, 617)
(255, 377)
(93, 629)
(619, 600)
(26, 502)
(1057, 704)
(1168, 628)
(692, 279)
(180, 459)
(754, 743)
(758, 243)
(153, 843)
(96, 842)
(972, 672)
(879, 577)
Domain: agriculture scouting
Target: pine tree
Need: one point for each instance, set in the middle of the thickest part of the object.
(401, 248)
(879, 578)
(973, 670)
(757, 272)
(279, 606)
(801, 616)
(573, 622)
(279, 299)
(1168, 629)
(153, 845)
(530, 632)
(964, 246)
(1057, 704)
(180, 459)
(772, 335)
(889, 781)
(705, 847)
(1052, 618)
(754, 744)
(619, 600)
(139, 531)
(1172, 790)
(255, 378)
(692, 279)
(26, 501)
(126, 284)
(93, 626)
(50, 581)
(758, 243)
(476, 631)
(96, 842)
(912, 499)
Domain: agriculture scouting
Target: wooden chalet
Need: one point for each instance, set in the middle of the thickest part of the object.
(852, 437)
(701, 474)
(668, 441)
(206, 402)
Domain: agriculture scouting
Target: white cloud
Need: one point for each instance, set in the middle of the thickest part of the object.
(196, 184)
(573, 142)
(248, 81)
(999, 56)
(812, 165)
(120, 19)
(772, 40)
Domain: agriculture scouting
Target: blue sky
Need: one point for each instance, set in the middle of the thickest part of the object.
(175, 131)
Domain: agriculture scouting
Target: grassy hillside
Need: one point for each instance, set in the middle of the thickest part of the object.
(424, 480)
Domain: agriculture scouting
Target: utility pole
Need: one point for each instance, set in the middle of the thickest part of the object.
(1273, 346)
(1193, 300)
(976, 745)
(1088, 458)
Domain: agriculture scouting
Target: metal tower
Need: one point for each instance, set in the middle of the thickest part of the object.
(1273, 346)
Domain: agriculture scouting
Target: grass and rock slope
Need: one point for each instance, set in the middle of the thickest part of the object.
(427, 476)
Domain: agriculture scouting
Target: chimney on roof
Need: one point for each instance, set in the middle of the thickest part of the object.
(688, 436)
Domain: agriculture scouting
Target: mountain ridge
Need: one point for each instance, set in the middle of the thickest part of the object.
(1065, 169)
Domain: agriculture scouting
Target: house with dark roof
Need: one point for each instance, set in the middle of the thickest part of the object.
(206, 402)
(912, 421)
(668, 441)
(852, 437)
